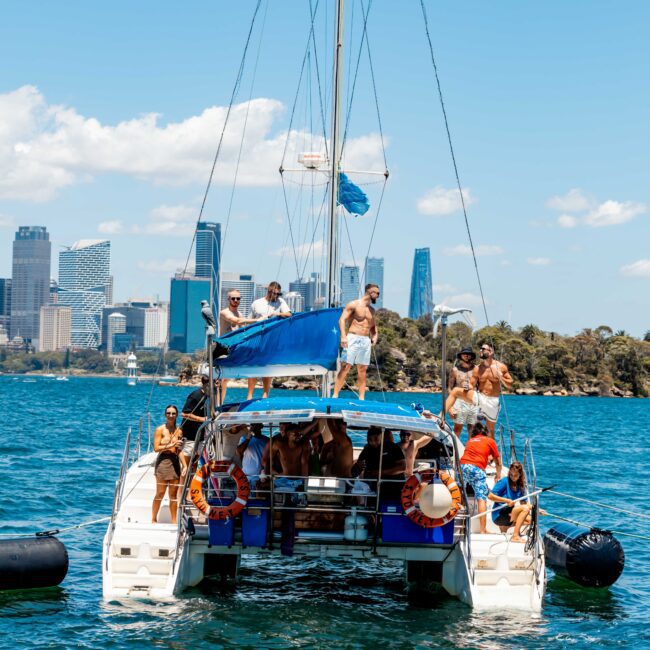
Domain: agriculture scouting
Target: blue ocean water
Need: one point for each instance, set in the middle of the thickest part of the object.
(59, 458)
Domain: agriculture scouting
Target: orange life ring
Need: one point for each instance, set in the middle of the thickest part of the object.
(410, 493)
(220, 512)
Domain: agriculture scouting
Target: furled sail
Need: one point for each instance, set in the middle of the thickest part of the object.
(352, 197)
(303, 344)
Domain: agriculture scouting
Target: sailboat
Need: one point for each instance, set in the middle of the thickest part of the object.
(225, 515)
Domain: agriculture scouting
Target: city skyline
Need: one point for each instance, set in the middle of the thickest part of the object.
(552, 167)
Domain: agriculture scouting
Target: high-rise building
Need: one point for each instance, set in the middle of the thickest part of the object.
(116, 324)
(155, 326)
(245, 284)
(186, 325)
(261, 290)
(5, 303)
(421, 296)
(374, 274)
(349, 283)
(312, 291)
(30, 280)
(54, 328)
(294, 301)
(208, 257)
(84, 285)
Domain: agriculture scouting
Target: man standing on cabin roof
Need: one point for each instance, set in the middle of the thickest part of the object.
(271, 305)
(490, 375)
(462, 376)
(357, 343)
(230, 319)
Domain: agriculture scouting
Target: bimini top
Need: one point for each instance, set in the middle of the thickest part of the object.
(303, 344)
(356, 413)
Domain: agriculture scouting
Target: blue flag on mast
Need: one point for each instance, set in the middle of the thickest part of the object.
(351, 196)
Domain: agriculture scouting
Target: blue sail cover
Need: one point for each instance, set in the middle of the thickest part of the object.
(352, 197)
(304, 344)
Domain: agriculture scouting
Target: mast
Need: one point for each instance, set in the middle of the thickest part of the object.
(333, 292)
(335, 152)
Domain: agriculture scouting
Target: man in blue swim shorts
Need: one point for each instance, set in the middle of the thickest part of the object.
(359, 319)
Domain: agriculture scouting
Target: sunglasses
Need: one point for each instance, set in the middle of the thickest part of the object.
(171, 413)
(237, 299)
(488, 349)
(276, 293)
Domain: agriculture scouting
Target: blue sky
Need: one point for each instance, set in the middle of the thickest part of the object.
(110, 114)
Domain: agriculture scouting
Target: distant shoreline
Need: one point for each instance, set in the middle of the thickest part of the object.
(295, 385)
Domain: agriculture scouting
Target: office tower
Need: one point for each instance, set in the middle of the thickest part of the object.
(312, 291)
(116, 324)
(374, 274)
(294, 301)
(349, 284)
(155, 326)
(186, 326)
(5, 303)
(261, 290)
(208, 257)
(421, 296)
(54, 328)
(301, 287)
(135, 321)
(30, 280)
(245, 284)
(54, 291)
(84, 285)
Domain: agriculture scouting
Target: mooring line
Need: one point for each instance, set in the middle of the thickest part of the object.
(613, 532)
(602, 505)
(56, 531)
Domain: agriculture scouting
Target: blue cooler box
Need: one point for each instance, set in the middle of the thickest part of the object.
(399, 528)
(220, 532)
(254, 523)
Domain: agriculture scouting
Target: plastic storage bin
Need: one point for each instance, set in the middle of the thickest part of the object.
(220, 532)
(254, 523)
(399, 528)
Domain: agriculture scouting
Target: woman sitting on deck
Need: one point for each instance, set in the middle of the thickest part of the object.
(516, 513)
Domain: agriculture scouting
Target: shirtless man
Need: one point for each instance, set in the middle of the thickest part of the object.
(490, 375)
(359, 317)
(230, 319)
(462, 406)
(410, 447)
(292, 453)
(336, 457)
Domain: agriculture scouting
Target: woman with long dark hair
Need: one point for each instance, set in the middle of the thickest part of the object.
(507, 490)
(168, 442)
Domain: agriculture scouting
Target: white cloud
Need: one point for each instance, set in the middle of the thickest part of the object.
(538, 261)
(505, 263)
(165, 266)
(6, 221)
(481, 250)
(464, 300)
(45, 148)
(440, 201)
(114, 227)
(316, 249)
(573, 201)
(169, 220)
(612, 213)
(567, 221)
(444, 288)
(640, 268)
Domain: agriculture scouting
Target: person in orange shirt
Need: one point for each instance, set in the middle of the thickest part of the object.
(478, 450)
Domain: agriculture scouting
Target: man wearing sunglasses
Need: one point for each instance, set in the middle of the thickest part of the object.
(271, 305)
(490, 375)
(230, 319)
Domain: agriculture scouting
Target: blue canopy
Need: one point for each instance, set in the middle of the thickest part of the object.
(352, 197)
(303, 344)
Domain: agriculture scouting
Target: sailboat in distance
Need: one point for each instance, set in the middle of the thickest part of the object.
(346, 493)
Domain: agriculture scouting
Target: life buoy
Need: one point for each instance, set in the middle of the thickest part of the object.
(410, 493)
(220, 467)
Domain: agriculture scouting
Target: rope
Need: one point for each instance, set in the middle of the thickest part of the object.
(56, 531)
(453, 158)
(602, 505)
(613, 532)
(381, 383)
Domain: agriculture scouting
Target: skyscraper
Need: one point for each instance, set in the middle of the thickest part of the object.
(208, 257)
(85, 286)
(312, 291)
(186, 326)
(421, 297)
(54, 328)
(5, 303)
(374, 274)
(116, 325)
(30, 281)
(349, 283)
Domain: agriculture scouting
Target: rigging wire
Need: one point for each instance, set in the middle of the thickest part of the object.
(602, 505)
(613, 532)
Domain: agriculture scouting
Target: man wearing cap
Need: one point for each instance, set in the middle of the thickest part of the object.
(271, 305)
(462, 377)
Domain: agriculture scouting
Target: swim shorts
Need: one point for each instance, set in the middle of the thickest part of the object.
(475, 477)
(489, 406)
(466, 413)
(358, 350)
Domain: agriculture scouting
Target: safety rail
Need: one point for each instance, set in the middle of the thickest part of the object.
(119, 486)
